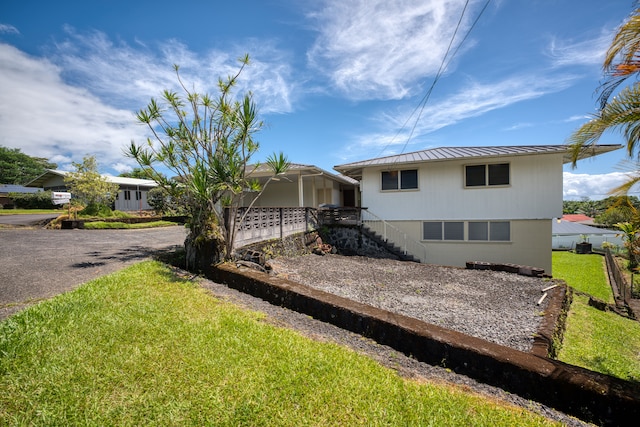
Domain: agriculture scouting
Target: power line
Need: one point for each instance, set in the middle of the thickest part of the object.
(443, 65)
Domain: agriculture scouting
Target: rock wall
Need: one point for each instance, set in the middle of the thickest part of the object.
(352, 240)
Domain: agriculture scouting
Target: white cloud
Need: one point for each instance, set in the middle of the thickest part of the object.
(595, 187)
(8, 29)
(380, 49)
(472, 100)
(124, 73)
(586, 52)
(45, 117)
(81, 99)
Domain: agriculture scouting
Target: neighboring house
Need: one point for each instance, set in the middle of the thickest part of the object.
(6, 189)
(566, 234)
(302, 186)
(578, 218)
(493, 204)
(132, 192)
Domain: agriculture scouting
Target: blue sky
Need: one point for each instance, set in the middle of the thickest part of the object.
(336, 81)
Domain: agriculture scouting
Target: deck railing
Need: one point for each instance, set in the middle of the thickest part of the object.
(264, 223)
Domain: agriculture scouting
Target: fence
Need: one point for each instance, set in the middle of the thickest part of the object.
(568, 241)
(271, 223)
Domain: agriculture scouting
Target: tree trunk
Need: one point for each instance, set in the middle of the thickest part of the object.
(201, 254)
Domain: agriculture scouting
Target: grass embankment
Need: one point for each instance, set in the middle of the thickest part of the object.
(600, 341)
(103, 225)
(31, 211)
(144, 347)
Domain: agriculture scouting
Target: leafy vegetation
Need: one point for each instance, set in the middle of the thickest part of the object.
(19, 168)
(618, 103)
(206, 142)
(143, 347)
(39, 200)
(90, 188)
(608, 211)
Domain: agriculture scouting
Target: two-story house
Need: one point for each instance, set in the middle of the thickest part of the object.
(492, 204)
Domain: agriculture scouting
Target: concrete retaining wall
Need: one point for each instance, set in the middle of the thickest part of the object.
(593, 397)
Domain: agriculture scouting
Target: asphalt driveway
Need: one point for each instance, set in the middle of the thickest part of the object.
(36, 264)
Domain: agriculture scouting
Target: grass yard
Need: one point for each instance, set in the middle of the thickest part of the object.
(583, 272)
(144, 347)
(600, 341)
(103, 225)
(31, 211)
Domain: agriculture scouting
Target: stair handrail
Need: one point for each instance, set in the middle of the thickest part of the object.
(393, 234)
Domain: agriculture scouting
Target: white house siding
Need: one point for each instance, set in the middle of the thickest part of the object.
(530, 244)
(535, 192)
(533, 197)
(122, 204)
(284, 193)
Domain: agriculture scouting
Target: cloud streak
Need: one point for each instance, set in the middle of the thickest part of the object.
(379, 49)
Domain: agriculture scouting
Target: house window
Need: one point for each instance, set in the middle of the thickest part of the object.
(443, 230)
(127, 194)
(400, 179)
(494, 231)
(478, 230)
(432, 231)
(500, 231)
(486, 175)
(138, 195)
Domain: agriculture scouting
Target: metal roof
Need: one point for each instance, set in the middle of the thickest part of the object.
(460, 153)
(295, 169)
(571, 228)
(120, 180)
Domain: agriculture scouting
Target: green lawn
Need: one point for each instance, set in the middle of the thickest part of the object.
(143, 347)
(103, 225)
(600, 341)
(583, 272)
(32, 211)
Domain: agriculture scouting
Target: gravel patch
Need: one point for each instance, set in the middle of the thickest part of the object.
(495, 306)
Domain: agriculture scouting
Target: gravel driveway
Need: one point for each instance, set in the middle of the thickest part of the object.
(40, 263)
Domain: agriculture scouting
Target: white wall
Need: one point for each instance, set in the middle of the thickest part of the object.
(132, 205)
(284, 193)
(535, 192)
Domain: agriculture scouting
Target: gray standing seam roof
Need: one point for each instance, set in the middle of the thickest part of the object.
(452, 153)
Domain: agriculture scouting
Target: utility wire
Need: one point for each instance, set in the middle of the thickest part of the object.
(443, 65)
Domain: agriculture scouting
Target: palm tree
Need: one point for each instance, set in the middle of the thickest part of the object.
(622, 112)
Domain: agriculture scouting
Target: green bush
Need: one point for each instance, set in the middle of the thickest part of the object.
(39, 200)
